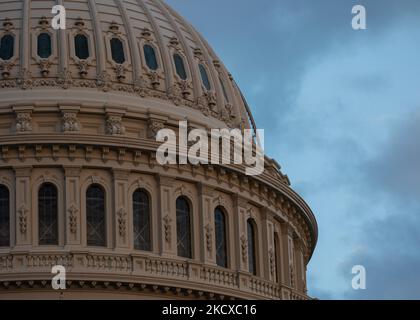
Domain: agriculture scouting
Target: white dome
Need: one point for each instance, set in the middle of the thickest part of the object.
(203, 84)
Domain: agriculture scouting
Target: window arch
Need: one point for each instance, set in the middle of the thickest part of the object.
(48, 214)
(141, 220)
(180, 67)
(7, 47)
(183, 227)
(44, 48)
(221, 243)
(277, 261)
(204, 77)
(81, 46)
(95, 216)
(252, 257)
(150, 57)
(117, 50)
(4, 216)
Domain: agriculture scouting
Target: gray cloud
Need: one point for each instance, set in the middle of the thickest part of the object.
(391, 244)
(272, 47)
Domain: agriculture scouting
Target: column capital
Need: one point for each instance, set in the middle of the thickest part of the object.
(120, 174)
(165, 180)
(72, 171)
(23, 171)
(205, 190)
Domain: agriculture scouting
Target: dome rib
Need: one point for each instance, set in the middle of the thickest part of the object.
(190, 59)
(159, 38)
(132, 40)
(97, 30)
(208, 59)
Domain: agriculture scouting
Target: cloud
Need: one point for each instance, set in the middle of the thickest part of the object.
(330, 100)
(391, 244)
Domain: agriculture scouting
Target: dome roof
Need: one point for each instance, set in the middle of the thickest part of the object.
(137, 48)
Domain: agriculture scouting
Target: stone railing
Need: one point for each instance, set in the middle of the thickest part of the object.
(139, 268)
(218, 276)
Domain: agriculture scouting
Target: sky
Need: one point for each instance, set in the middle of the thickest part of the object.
(341, 114)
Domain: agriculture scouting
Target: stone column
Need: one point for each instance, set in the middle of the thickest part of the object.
(207, 246)
(23, 206)
(240, 234)
(300, 265)
(121, 212)
(167, 217)
(269, 254)
(73, 206)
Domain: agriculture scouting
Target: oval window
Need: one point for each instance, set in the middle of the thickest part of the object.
(6, 47)
(117, 50)
(179, 66)
(81, 46)
(204, 77)
(44, 46)
(150, 56)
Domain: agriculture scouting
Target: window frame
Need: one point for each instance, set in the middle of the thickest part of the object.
(7, 242)
(149, 213)
(105, 217)
(222, 210)
(13, 36)
(88, 47)
(184, 66)
(56, 241)
(51, 45)
(190, 254)
(252, 246)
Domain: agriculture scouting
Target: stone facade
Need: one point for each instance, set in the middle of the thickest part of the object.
(74, 123)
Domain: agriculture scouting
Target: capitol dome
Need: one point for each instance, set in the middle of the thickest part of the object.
(79, 182)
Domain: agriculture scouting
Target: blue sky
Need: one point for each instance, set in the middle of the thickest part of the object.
(341, 113)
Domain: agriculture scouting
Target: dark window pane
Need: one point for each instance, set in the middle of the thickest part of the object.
(277, 256)
(183, 227)
(7, 47)
(95, 216)
(179, 65)
(252, 262)
(117, 50)
(141, 221)
(224, 91)
(220, 230)
(4, 217)
(44, 45)
(48, 215)
(150, 56)
(81, 46)
(204, 77)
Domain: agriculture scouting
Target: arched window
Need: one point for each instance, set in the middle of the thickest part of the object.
(252, 258)
(4, 216)
(141, 220)
(7, 47)
(180, 67)
(224, 90)
(150, 56)
(48, 214)
(117, 51)
(44, 45)
(81, 46)
(277, 256)
(95, 216)
(183, 227)
(220, 231)
(204, 77)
